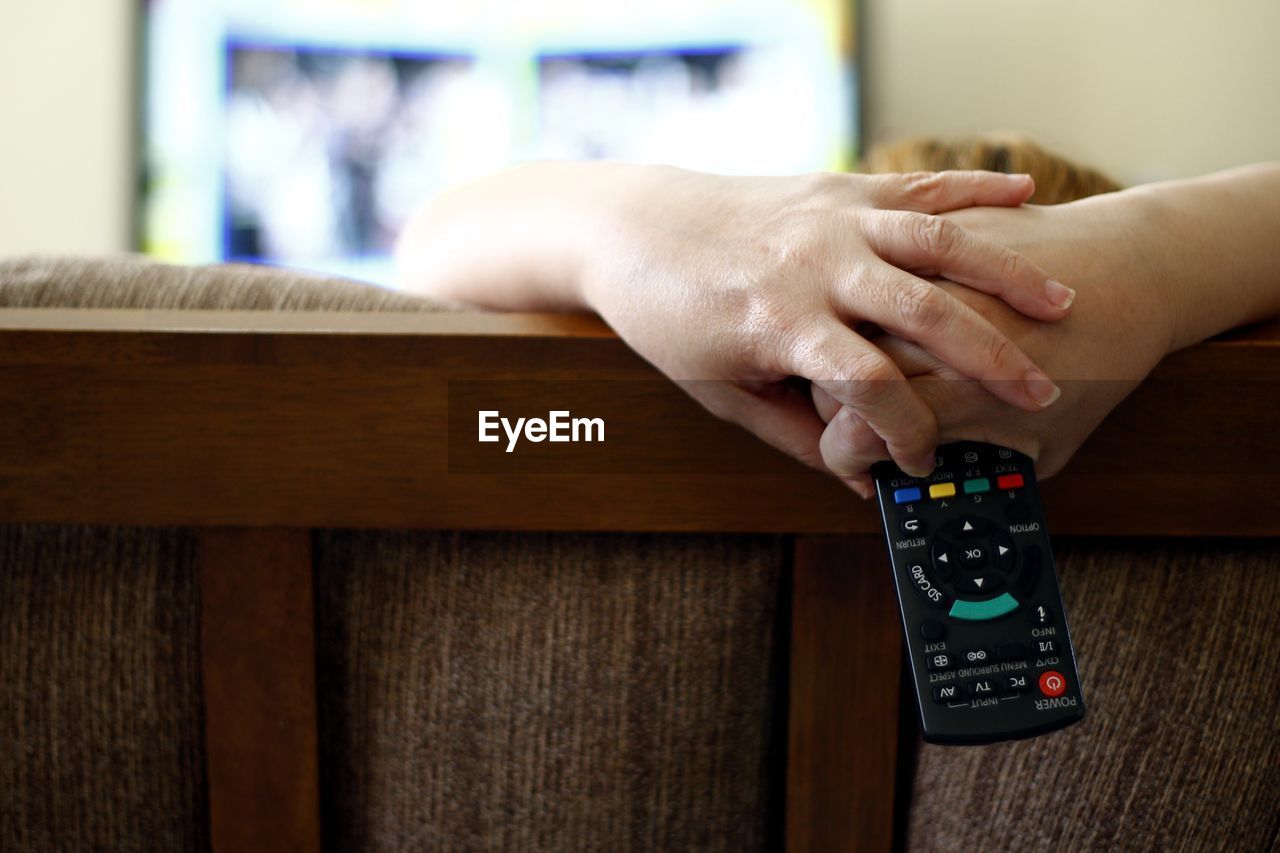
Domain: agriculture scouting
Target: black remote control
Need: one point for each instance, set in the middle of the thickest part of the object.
(986, 632)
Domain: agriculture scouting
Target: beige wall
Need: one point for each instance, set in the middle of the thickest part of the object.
(65, 135)
(1142, 88)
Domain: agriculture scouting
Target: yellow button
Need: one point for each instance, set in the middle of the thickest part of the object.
(942, 490)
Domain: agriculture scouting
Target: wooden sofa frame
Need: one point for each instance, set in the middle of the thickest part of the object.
(258, 427)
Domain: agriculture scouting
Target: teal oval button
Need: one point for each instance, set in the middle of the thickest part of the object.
(978, 610)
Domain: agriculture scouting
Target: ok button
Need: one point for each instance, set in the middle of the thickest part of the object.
(972, 556)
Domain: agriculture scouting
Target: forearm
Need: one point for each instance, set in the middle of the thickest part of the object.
(519, 240)
(1209, 248)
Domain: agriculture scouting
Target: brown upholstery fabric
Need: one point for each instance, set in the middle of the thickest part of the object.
(550, 691)
(1180, 750)
(130, 281)
(101, 731)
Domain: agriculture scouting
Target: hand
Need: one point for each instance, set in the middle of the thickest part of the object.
(734, 285)
(1120, 328)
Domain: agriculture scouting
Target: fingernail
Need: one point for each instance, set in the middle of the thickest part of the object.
(922, 467)
(1059, 294)
(1040, 388)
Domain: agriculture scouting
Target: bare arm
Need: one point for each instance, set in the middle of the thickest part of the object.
(738, 283)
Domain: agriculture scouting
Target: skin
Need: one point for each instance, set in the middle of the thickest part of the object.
(733, 286)
(1157, 268)
(746, 284)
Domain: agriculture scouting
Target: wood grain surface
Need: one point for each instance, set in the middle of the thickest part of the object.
(258, 655)
(846, 654)
(217, 418)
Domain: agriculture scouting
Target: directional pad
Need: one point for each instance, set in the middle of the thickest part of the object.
(974, 558)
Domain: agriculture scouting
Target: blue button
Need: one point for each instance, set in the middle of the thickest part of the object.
(906, 496)
(980, 610)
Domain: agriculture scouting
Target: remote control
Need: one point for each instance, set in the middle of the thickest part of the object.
(985, 628)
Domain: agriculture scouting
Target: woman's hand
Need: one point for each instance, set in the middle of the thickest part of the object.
(1121, 327)
(733, 285)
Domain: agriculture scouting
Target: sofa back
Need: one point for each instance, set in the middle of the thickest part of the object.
(252, 595)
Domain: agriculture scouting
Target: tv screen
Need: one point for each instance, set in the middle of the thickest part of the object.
(305, 132)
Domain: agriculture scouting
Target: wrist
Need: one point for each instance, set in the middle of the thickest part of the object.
(1124, 236)
(620, 204)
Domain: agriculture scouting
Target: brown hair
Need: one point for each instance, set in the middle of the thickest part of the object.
(1058, 180)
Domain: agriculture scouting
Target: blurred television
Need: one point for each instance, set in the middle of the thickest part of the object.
(303, 133)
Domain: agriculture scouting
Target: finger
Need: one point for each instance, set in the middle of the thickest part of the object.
(938, 192)
(862, 485)
(931, 245)
(919, 311)
(857, 374)
(965, 405)
(914, 360)
(826, 405)
(782, 418)
(849, 445)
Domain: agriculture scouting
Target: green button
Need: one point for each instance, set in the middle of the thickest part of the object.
(973, 487)
(979, 610)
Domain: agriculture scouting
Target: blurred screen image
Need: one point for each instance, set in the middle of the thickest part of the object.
(305, 132)
(329, 150)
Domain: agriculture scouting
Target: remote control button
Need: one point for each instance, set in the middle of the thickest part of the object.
(943, 564)
(940, 662)
(906, 496)
(979, 585)
(1014, 684)
(932, 630)
(977, 487)
(912, 526)
(972, 555)
(967, 526)
(1017, 510)
(1052, 684)
(1011, 651)
(1009, 481)
(985, 687)
(950, 693)
(942, 490)
(1041, 615)
(977, 611)
(1046, 647)
(1002, 550)
(973, 657)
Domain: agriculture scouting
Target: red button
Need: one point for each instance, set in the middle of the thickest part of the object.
(1009, 481)
(1052, 684)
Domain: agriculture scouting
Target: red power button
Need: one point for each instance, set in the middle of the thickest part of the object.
(1052, 684)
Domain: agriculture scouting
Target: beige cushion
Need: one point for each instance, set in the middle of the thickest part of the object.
(132, 281)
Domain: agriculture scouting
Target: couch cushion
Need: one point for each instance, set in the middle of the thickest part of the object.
(101, 726)
(132, 281)
(540, 691)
